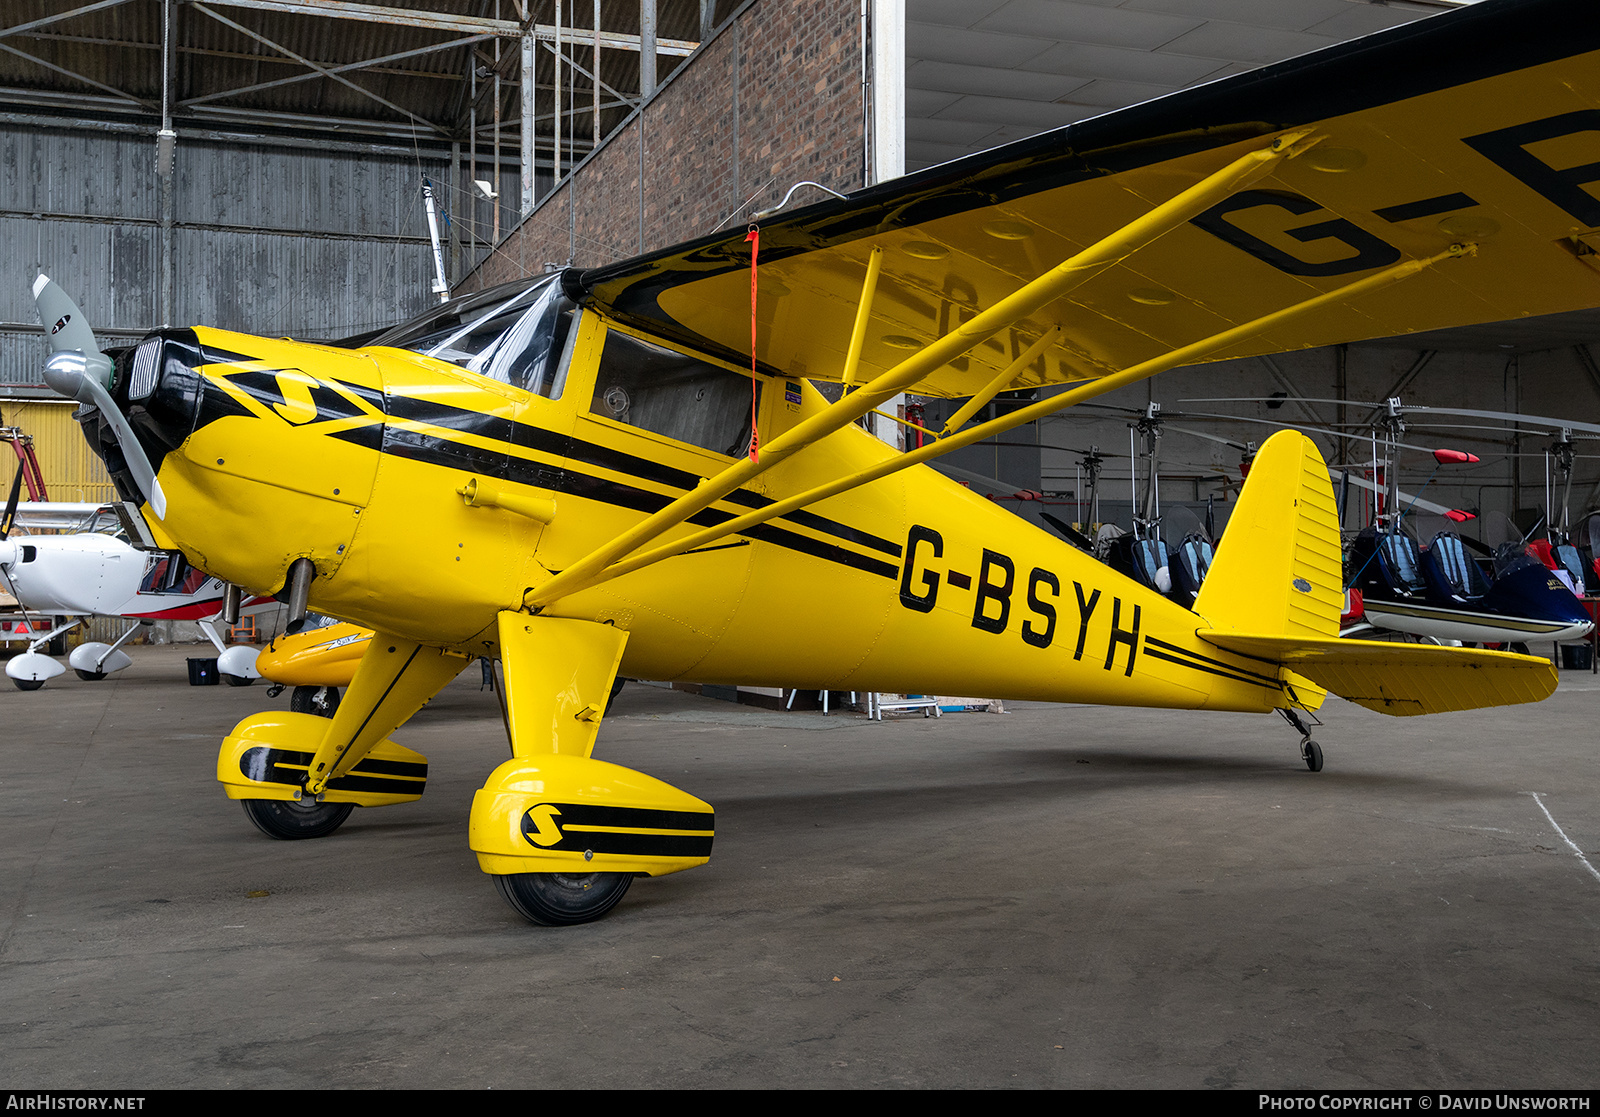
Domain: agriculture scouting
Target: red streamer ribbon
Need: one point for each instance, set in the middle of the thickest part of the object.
(754, 238)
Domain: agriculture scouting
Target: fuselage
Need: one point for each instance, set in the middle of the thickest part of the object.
(90, 574)
(272, 450)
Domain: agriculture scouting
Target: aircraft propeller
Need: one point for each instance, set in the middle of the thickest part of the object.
(77, 369)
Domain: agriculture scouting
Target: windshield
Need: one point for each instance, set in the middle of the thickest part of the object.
(514, 333)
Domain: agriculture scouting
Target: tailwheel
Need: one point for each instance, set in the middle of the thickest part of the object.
(1311, 753)
(563, 899)
(289, 820)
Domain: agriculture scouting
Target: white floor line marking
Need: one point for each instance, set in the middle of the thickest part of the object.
(1592, 870)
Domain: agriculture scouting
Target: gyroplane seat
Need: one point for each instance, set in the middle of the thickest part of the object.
(1401, 562)
(1189, 566)
(1568, 559)
(1141, 560)
(1451, 572)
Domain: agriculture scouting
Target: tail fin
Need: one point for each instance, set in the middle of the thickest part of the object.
(1276, 589)
(1279, 569)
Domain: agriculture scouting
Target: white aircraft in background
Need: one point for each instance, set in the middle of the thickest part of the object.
(92, 573)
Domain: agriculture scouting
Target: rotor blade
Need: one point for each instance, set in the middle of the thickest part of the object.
(1298, 426)
(1411, 502)
(1409, 408)
(956, 473)
(1069, 533)
(1239, 446)
(10, 515)
(1051, 446)
(77, 369)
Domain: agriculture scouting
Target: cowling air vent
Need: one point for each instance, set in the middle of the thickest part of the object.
(146, 360)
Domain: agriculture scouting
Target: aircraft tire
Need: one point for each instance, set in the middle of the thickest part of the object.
(319, 700)
(28, 684)
(561, 899)
(89, 676)
(1313, 755)
(290, 821)
(236, 680)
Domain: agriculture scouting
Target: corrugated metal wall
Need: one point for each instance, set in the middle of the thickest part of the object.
(309, 240)
(301, 239)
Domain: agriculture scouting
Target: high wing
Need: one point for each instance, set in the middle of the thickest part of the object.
(1477, 128)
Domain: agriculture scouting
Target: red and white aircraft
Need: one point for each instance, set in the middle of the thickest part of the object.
(70, 578)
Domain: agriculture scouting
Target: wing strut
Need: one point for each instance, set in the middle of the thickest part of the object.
(1188, 354)
(1065, 277)
(1000, 383)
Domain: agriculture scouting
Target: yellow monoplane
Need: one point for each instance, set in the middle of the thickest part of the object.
(592, 470)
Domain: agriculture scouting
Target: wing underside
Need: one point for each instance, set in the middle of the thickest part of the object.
(1477, 127)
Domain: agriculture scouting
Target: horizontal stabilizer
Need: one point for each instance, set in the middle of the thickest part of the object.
(1401, 679)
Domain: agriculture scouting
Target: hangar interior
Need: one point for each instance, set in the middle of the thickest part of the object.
(1074, 895)
(259, 164)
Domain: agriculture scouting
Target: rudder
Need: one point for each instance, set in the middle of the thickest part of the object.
(1279, 567)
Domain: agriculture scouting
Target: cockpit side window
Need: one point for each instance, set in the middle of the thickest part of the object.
(170, 572)
(515, 335)
(532, 353)
(673, 394)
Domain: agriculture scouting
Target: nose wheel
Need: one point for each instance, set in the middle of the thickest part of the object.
(1310, 751)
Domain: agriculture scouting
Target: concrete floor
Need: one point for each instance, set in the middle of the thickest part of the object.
(1060, 896)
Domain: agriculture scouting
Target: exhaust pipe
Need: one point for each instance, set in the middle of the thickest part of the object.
(300, 574)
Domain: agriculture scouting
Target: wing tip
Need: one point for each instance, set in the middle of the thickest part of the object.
(40, 284)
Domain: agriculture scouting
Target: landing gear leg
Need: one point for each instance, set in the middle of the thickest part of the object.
(1310, 751)
(564, 834)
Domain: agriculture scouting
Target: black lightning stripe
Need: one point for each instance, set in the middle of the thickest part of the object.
(499, 463)
(1171, 653)
(528, 437)
(433, 450)
(572, 820)
(1207, 659)
(287, 766)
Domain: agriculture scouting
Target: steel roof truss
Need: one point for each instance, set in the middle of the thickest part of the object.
(43, 21)
(339, 69)
(119, 94)
(322, 70)
(407, 17)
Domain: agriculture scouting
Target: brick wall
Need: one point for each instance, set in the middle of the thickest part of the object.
(773, 99)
